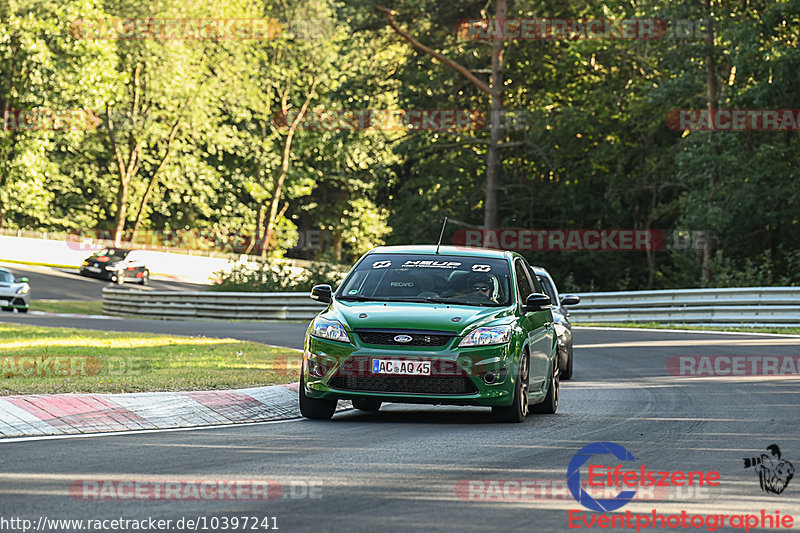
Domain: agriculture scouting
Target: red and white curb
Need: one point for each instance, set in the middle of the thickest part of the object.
(69, 414)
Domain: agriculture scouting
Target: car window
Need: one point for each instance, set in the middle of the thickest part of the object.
(443, 278)
(548, 289)
(524, 287)
(6, 277)
(112, 252)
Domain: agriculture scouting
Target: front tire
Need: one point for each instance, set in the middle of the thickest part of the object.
(314, 408)
(550, 404)
(518, 410)
(565, 367)
(367, 404)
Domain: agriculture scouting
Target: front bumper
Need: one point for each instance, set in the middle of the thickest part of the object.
(336, 370)
(15, 301)
(103, 274)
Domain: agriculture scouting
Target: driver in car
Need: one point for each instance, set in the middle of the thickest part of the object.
(482, 284)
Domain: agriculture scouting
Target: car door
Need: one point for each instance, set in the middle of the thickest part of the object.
(133, 265)
(539, 325)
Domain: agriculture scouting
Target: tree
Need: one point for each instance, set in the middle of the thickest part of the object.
(495, 91)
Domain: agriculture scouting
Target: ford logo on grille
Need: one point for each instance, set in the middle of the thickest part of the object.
(402, 338)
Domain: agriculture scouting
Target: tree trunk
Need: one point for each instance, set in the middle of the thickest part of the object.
(709, 246)
(490, 207)
(285, 161)
(495, 92)
(154, 178)
(126, 169)
(337, 244)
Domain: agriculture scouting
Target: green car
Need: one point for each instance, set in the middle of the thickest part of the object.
(421, 324)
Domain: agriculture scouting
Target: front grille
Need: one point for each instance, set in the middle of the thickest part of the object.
(406, 384)
(446, 377)
(386, 337)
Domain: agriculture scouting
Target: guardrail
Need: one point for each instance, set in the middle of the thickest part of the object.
(759, 306)
(225, 305)
(751, 306)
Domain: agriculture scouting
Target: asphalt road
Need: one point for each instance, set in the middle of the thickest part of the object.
(399, 469)
(66, 284)
(276, 333)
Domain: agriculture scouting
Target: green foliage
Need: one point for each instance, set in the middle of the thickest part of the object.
(273, 276)
(594, 152)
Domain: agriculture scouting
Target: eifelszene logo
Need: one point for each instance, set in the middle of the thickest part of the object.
(574, 476)
(641, 477)
(774, 473)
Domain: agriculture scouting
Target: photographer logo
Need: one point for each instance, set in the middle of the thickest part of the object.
(774, 473)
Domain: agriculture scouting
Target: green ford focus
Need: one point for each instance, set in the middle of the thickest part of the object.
(413, 324)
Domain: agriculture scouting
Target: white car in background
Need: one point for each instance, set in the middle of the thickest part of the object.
(14, 294)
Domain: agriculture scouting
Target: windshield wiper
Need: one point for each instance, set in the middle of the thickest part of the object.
(423, 300)
(444, 301)
(361, 298)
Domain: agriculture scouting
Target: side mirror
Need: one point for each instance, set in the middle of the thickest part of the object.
(23, 280)
(570, 299)
(322, 293)
(537, 302)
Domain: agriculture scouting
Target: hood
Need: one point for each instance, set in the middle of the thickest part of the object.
(411, 315)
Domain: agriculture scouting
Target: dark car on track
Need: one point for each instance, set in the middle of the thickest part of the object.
(560, 319)
(117, 265)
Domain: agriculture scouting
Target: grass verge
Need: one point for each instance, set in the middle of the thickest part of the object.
(656, 325)
(82, 307)
(38, 360)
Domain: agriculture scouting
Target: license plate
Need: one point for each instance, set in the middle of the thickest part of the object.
(401, 367)
(93, 269)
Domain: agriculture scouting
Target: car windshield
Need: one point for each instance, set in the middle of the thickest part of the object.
(6, 277)
(448, 279)
(112, 252)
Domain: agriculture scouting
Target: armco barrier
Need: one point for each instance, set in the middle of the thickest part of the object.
(768, 306)
(226, 305)
(752, 306)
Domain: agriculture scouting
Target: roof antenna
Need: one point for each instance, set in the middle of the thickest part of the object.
(441, 235)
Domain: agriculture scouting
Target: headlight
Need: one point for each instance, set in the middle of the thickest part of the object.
(487, 336)
(23, 290)
(329, 329)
